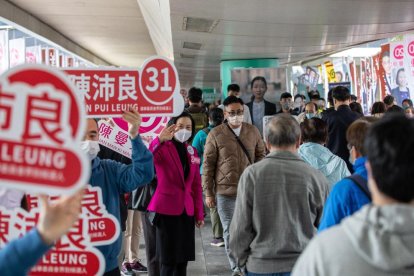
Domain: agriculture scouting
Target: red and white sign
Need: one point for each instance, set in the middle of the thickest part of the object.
(397, 60)
(74, 253)
(34, 54)
(114, 134)
(409, 62)
(42, 122)
(154, 89)
(17, 51)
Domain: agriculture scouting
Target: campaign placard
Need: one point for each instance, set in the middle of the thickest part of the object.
(153, 89)
(42, 122)
(113, 133)
(74, 253)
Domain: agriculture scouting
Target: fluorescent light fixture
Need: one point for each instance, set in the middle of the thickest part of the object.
(6, 27)
(358, 52)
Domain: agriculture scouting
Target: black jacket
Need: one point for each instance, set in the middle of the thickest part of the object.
(270, 108)
(338, 122)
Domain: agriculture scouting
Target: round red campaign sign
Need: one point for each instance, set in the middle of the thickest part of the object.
(158, 81)
(399, 52)
(410, 48)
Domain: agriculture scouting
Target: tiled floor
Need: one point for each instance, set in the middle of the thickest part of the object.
(210, 260)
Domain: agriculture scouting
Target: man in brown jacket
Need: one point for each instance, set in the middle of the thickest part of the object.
(230, 148)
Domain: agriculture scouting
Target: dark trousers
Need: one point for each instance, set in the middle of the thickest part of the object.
(114, 272)
(174, 270)
(150, 247)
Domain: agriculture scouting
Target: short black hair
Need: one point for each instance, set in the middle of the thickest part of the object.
(330, 98)
(314, 97)
(354, 98)
(233, 87)
(216, 115)
(314, 130)
(390, 150)
(395, 109)
(231, 100)
(356, 107)
(299, 96)
(389, 100)
(409, 101)
(195, 95)
(174, 120)
(285, 95)
(341, 93)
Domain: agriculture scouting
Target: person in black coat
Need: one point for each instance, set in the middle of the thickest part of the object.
(259, 107)
(338, 122)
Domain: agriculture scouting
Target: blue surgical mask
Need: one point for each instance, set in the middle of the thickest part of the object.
(309, 115)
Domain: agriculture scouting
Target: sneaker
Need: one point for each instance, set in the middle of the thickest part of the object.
(138, 267)
(219, 242)
(126, 269)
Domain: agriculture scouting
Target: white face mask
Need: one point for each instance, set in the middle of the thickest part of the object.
(236, 120)
(182, 135)
(91, 148)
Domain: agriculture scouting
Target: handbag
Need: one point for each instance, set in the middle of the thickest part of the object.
(141, 197)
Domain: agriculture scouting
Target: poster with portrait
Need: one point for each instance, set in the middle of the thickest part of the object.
(399, 89)
(310, 78)
(385, 76)
(409, 63)
(275, 78)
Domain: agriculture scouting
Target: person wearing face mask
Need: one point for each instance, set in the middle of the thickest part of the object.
(116, 178)
(230, 148)
(259, 107)
(177, 201)
(351, 193)
(234, 90)
(287, 104)
(311, 111)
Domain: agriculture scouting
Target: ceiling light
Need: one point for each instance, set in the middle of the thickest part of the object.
(195, 24)
(358, 52)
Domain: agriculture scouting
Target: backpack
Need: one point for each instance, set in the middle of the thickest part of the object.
(200, 120)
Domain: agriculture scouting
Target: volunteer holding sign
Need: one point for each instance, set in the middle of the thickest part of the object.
(115, 178)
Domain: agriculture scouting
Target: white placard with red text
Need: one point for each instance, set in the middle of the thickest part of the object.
(409, 62)
(17, 51)
(42, 122)
(154, 89)
(74, 253)
(397, 60)
(113, 134)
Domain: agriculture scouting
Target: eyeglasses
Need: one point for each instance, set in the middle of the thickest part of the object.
(235, 113)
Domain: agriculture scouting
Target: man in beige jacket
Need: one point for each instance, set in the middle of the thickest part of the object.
(230, 148)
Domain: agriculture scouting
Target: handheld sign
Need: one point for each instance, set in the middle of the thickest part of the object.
(154, 89)
(41, 124)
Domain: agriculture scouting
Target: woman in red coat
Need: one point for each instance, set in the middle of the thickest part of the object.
(177, 201)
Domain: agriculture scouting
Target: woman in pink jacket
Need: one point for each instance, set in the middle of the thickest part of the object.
(177, 201)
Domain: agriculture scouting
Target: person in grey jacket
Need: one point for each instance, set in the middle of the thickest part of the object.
(378, 239)
(279, 204)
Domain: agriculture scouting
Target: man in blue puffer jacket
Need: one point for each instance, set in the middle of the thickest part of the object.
(346, 196)
(115, 178)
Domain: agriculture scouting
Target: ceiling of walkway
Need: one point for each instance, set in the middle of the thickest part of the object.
(206, 32)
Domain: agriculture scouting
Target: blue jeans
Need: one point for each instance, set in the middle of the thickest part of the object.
(268, 274)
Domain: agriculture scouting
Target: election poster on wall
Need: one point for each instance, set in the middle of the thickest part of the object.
(409, 63)
(17, 51)
(34, 54)
(399, 80)
(385, 77)
(153, 89)
(4, 51)
(41, 125)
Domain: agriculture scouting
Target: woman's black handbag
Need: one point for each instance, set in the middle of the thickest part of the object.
(141, 197)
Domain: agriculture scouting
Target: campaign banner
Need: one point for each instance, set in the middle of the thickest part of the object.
(75, 253)
(4, 51)
(353, 77)
(17, 51)
(154, 89)
(53, 57)
(310, 78)
(409, 63)
(397, 61)
(42, 122)
(385, 76)
(34, 54)
(376, 76)
(330, 71)
(113, 133)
